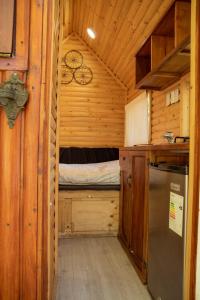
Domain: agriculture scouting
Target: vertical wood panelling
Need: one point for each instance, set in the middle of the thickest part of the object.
(169, 118)
(21, 213)
(10, 160)
(91, 115)
(67, 17)
(30, 158)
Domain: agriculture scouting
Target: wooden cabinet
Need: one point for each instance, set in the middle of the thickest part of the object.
(125, 199)
(88, 212)
(165, 56)
(134, 162)
(133, 202)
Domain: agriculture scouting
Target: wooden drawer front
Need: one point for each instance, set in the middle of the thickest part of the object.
(94, 216)
(87, 194)
(88, 212)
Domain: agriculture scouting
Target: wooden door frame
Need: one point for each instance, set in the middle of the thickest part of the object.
(45, 291)
(194, 176)
(194, 172)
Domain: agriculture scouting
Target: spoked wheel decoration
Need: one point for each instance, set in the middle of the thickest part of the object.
(67, 75)
(75, 69)
(83, 75)
(73, 59)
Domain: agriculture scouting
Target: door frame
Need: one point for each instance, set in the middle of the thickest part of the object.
(194, 170)
(194, 173)
(45, 289)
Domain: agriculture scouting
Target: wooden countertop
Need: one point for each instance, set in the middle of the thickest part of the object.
(164, 147)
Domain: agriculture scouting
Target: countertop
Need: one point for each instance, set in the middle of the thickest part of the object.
(150, 147)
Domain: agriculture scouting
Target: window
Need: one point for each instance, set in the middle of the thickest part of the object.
(7, 27)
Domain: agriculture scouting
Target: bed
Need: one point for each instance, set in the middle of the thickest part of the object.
(89, 184)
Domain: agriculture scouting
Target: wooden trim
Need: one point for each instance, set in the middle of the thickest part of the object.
(46, 288)
(194, 174)
(20, 60)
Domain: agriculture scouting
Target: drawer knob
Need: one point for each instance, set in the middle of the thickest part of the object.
(129, 180)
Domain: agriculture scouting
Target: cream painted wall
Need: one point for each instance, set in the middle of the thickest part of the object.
(198, 266)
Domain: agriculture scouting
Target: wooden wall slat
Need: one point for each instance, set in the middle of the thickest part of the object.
(10, 170)
(30, 158)
(86, 111)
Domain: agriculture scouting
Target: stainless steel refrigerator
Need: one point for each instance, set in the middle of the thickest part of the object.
(166, 230)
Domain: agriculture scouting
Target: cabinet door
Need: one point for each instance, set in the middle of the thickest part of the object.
(126, 200)
(138, 232)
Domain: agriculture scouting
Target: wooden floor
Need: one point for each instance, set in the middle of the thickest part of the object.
(96, 269)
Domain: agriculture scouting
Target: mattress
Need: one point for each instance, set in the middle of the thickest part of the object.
(104, 173)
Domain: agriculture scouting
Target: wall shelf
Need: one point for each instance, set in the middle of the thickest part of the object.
(165, 56)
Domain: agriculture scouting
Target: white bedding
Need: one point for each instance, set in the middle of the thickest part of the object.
(88, 174)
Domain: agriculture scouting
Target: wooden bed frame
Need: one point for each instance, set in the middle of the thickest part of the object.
(88, 212)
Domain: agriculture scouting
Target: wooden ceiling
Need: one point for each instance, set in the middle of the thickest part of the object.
(121, 28)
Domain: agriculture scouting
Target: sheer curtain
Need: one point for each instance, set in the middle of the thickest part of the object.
(137, 120)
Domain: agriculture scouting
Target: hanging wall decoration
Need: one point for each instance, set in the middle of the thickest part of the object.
(83, 75)
(73, 59)
(75, 69)
(13, 97)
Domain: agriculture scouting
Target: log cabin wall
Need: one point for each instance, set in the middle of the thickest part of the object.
(175, 117)
(91, 115)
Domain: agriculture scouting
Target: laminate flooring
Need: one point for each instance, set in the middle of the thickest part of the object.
(96, 269)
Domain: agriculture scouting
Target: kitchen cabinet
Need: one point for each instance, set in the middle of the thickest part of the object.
(133, 221)
(133, 211)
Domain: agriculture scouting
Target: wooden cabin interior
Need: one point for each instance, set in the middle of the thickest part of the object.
(99, 149)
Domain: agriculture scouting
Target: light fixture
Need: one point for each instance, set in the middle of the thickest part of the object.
(91, 33)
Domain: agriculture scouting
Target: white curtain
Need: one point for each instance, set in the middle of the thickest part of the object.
(137, 122)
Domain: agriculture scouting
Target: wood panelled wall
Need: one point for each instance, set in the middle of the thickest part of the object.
(10, 172)
(173, 118)
(67, 17)
(91, 115)
(24, 163)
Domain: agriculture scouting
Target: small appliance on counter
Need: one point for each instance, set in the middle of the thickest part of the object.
(166, 236)
(169, 136)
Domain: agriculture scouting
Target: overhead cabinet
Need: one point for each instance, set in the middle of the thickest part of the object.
(165, 56)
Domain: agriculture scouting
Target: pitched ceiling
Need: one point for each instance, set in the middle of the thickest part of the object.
(121, 28)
